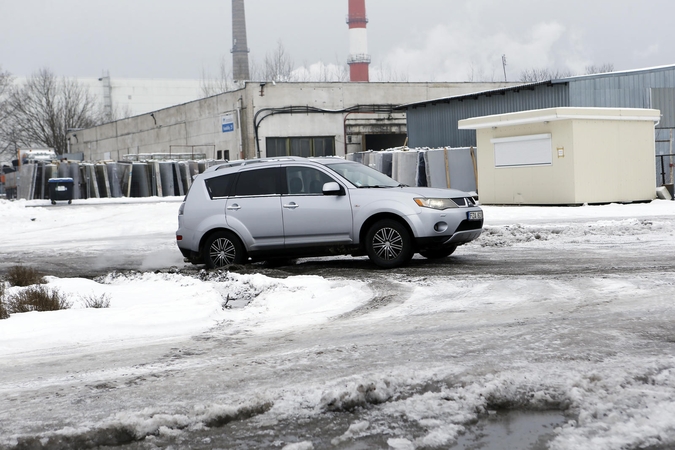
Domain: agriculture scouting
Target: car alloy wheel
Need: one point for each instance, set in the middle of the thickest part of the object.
(388, 244)
(223, 249)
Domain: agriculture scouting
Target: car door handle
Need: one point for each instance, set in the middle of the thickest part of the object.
(291, 205)
(234, 207)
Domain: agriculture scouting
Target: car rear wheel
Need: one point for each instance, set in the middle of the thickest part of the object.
(223, 249)
(388, 244)
(437, 253)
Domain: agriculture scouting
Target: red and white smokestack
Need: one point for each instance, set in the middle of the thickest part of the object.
(359, 59)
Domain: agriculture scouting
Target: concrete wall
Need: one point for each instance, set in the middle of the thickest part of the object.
(613, 160)
(199, 123)
(553, 184)
(598, 155)
(177, 129)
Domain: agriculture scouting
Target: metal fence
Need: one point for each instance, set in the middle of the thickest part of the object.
(665, 166)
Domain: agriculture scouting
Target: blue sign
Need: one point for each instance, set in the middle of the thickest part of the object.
(227, 123)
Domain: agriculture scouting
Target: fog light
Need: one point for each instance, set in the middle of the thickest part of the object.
(440, 227)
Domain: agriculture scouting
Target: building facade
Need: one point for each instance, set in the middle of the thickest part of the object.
(268, 119)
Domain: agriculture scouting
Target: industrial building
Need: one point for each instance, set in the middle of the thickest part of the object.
(434, 123)
(268, 119)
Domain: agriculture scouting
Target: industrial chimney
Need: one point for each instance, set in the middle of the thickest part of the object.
(359, 59)
(239, 45)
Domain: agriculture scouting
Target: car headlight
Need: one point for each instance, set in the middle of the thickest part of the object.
(436, 203)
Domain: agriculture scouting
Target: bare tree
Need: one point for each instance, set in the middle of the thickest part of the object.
(222, 82)
(45, 107)
(321, 72)
(478, 74)
(386, 73)
(5, 87)
(545, 74)
(6, 80)
(603, 68)
(255, 69)
(534, 75)
(278, 65)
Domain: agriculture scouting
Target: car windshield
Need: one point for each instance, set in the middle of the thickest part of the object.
(363, 176)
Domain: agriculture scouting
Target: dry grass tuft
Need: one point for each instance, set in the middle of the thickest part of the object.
(4, 314)
(37, 298)
(94, 301)
(24, 276)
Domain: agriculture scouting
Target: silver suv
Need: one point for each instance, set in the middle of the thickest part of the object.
(291, 207)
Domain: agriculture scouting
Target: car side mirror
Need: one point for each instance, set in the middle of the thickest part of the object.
(332, 188)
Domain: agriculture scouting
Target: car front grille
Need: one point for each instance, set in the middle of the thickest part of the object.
(464, 202)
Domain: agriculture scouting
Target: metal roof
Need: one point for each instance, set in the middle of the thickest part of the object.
(488, 93)
(531, 86)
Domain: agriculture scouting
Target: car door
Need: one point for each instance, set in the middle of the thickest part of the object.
(254, 211)
(309, 216)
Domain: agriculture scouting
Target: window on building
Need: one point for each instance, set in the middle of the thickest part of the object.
(300, 146)
(533, 150)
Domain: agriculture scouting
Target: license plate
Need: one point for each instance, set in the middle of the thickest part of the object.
(475, 215)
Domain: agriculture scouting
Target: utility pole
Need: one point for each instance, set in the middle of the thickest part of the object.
(504, 66)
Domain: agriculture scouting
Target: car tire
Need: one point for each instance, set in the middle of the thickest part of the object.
(388, 244)
(438, 253)
(223, 249)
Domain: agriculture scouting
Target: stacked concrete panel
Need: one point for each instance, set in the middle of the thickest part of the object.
(440, 168)
(451, 168)
(167, 178)
(115, 179)
(108, 179)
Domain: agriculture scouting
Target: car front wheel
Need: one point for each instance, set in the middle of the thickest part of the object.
(388, 244)
(223, 249)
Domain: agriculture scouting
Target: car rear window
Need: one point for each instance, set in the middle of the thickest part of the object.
(221, 186)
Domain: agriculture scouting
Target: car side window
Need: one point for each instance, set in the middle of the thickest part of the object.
(258, 182)
(305, 180)
(220, 187)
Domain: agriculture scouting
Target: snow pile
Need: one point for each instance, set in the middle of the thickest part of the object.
(146, 307)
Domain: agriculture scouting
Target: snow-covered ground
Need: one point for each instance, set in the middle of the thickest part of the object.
(564, 309)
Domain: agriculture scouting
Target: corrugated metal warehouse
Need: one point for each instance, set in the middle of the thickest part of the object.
(434, 123)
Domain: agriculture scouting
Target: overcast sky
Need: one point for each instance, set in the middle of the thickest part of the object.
(415, 40)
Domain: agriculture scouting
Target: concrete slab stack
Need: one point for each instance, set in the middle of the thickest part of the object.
(140, 180)
(451, 168)
(404, 167)
(108, 179)
(167, 179)
(114, 178)
(441, 167)
(102, 181)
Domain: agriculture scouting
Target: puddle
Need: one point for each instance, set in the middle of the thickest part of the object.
(522, 430)
(527, 430)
